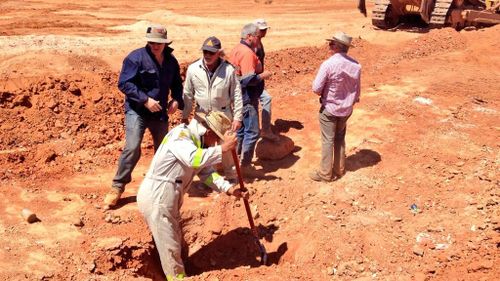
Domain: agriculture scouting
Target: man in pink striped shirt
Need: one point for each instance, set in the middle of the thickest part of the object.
(338, 84)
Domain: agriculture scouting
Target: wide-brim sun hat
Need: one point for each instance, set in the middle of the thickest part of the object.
(342, 38)
(158, 34)
(216, 121)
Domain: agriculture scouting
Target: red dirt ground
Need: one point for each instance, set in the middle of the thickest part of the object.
(425, 132)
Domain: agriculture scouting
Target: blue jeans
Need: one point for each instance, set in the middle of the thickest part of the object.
(248, 134)
(265, 101)
(135, 126)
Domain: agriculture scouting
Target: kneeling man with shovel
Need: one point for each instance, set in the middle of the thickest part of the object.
(185, 151)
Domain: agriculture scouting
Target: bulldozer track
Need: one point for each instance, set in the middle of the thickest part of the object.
(379, 13)
(438, 15)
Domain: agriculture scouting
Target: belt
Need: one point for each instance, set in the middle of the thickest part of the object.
(163, 178)
(222, 108)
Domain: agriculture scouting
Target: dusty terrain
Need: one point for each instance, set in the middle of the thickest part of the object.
(425, 132)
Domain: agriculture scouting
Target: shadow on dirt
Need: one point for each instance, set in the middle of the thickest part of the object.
(362, 159)
(283, 126)
(151, 268)
(410, 23)
(199, 189)
(124, 201)
(269, 166)
(264, 167)
(233, 249)
(262, 171)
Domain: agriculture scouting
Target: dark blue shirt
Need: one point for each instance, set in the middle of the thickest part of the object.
(142, 77)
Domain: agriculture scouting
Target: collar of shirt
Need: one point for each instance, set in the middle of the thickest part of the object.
(211, 73)
(246, 44)
(166, 52)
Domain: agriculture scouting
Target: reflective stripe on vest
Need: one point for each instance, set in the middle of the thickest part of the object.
(197, 158)
(196, 141)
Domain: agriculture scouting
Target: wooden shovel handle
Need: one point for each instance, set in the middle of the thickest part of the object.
(242, 187)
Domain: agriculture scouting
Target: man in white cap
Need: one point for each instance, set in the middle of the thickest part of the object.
(212, 82)
(338, 83)
(147, 77)
(185, 151)
(265, 97)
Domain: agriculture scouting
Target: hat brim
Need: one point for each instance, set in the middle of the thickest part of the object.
(158, 40)
(341, 42)
(202, 119)
(210, 49)
(264, 28)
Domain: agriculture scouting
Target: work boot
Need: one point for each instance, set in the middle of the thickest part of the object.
(112, 198)
(315, 176)
(249, 171)
(269, 135)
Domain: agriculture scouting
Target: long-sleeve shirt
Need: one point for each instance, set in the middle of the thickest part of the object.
(248, 67)
(180, 157)
(339, 83)
(220, 91)
(142, 77)
(261, 54)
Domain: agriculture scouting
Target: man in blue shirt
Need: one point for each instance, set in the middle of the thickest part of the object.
(147, 77)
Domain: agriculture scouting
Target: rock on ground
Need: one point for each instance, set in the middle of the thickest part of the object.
(268, 150)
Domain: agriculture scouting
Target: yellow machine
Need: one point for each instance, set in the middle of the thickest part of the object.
(437, 13)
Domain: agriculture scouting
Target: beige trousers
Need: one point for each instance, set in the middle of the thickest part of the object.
(333, 130)
(160, 202)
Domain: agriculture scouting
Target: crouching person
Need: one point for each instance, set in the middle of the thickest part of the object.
(186, 151)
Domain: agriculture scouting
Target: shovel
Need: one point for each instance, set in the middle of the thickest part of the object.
(262, 249)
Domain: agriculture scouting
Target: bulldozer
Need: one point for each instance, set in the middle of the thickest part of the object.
(458, 14)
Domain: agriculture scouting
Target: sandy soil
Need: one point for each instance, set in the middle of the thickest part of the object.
(425, 133)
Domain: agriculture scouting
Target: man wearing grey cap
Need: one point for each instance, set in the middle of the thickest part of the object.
(147, 77)
(338, 83)
(211, 81)
(251, 76)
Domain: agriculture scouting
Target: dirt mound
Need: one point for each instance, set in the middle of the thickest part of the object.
(436, 41)
(69, 122)
(49, 119)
